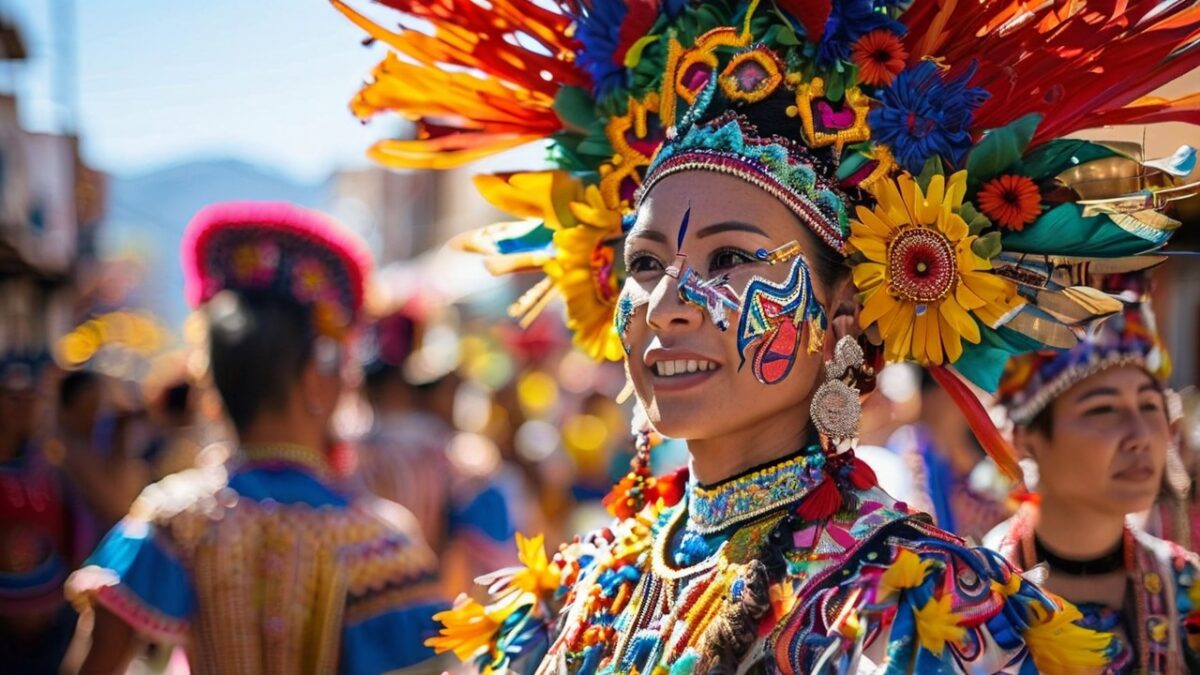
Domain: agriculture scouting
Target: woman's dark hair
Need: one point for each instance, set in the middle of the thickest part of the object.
(258, 346)
(1043, 422)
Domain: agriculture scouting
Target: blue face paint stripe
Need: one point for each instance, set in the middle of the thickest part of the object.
(683, 228)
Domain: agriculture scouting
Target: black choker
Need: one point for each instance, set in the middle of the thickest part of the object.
(1103, 564)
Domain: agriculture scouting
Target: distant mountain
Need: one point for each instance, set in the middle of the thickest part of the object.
(147, 214)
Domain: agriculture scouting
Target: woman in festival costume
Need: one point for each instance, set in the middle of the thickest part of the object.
(266, 566)
(1095, 419)
(803, 190)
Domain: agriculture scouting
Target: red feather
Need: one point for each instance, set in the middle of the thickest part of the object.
(1077, 62)
(811, 14)
(639, 19)
(980, 422)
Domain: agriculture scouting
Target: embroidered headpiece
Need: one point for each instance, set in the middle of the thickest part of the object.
(1033, 380)
(280, 249)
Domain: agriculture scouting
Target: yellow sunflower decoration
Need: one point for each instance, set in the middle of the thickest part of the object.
(923, 281)
(567, 231)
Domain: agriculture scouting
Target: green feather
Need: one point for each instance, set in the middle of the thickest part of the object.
(575, 107)
(1065, 229)
(1050, 159)
(1001, 148)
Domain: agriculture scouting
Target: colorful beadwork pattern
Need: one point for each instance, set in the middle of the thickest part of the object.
(777, 590)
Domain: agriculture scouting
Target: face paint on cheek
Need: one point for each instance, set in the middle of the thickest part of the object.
(627, 303)
(771, 321)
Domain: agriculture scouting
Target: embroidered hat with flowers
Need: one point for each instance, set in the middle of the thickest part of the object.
(277, 249)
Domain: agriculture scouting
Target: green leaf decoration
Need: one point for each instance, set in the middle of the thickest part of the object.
(575, 107)
(976, 221)
(1064, 228)
(1000, 149)
(1050, 159)
(787, 37)
(835, 86)
(933, 167)
(983, 364)
(851, 162)
(987, 246)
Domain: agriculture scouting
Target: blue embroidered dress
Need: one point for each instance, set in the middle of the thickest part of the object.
(801, 566)
(268, 568)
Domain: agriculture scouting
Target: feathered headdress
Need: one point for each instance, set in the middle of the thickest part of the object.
(927, 145)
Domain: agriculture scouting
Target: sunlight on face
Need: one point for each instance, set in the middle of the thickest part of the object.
(685, 370)
(1107, 444)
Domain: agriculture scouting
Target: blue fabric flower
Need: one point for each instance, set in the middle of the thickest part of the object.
(848, 21)
(598, 27)
(924, 115)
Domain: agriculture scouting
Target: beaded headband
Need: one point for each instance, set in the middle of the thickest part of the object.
(278, 249)
(779, 166)
(1034, 380)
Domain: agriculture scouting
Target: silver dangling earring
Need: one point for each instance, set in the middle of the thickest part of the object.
(836, 408)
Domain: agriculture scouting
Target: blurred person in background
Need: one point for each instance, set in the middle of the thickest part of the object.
(412, 454)
(1176, 516)
(43, 533)
(953, 479)
(107, 439)
(266, 564)
(1095, 421)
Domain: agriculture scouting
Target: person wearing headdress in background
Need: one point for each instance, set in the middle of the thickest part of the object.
(465, 511)
(44, 531)
(756, 205)
(1095, 419)
(267, 564)
(953, 479)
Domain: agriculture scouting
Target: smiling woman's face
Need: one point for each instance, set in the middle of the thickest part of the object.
(1107, 443)
(685, 370)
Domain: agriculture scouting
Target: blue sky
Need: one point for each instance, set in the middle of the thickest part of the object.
(161, 81)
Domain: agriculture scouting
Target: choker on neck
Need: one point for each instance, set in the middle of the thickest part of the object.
(286, 453)
(1104, 563)
(755, 492)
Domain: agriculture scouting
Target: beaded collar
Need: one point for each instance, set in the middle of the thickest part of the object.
(285, 453)
(755, 492)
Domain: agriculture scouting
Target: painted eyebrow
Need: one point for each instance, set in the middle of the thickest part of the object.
(729, 226)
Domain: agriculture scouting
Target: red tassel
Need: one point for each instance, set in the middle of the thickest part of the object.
(981, 424)
(862, 476)
(669, 487)
(822, 502)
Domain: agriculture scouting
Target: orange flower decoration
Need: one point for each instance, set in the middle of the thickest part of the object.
(1011, 201)
(880, 56)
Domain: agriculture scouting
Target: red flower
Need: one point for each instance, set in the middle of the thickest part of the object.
(880, 57)
(1011, 201)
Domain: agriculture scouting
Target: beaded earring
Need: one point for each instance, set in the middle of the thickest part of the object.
(836, 408)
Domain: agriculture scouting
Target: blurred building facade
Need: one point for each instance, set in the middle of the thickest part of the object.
(50, 205)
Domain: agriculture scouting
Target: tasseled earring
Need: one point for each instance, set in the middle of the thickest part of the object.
(640, 487)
